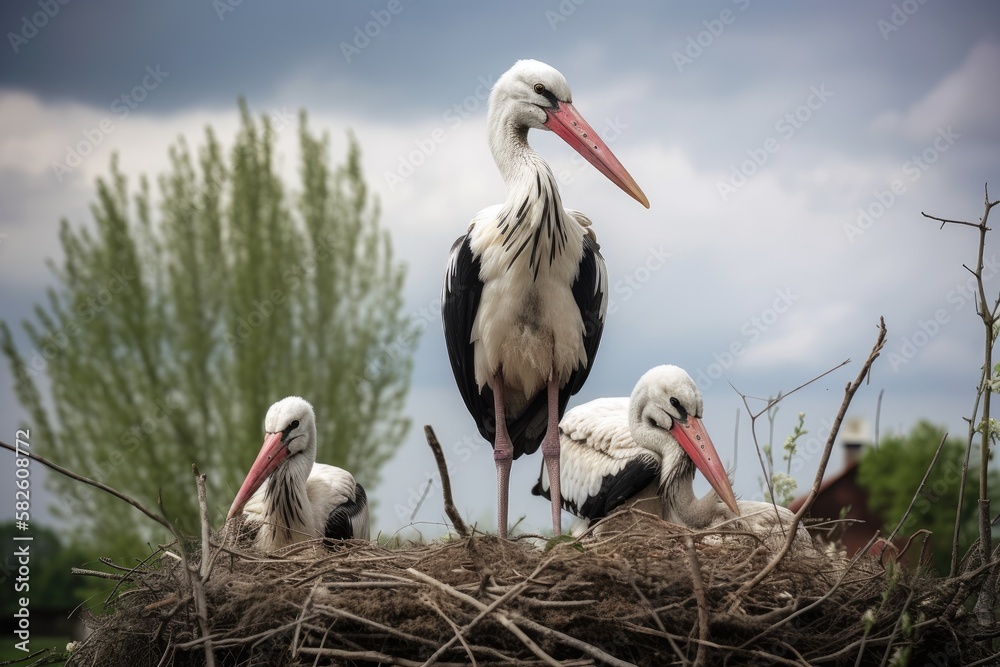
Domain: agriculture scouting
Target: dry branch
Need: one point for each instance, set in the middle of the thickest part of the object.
(449, 503)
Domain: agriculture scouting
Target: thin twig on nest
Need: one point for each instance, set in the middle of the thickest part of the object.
(449, 503)
(849, 392)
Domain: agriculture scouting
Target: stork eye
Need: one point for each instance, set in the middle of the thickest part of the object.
(675, 404)
(539, 88)
(294, 425)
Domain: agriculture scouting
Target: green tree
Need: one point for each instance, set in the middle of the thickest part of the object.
(171, 332)
(892, 473)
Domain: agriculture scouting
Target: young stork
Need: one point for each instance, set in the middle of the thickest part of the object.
(644, 450)
(301, 500)
(524, 294)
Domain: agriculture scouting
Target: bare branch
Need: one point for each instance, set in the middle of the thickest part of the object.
(849, 392)
(449, 503)
(103, 487)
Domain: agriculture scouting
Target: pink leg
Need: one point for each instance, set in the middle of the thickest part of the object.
(550, 453)
(503, 453)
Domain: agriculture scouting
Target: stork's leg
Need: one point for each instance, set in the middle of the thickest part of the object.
(503, 453)
(550, 453)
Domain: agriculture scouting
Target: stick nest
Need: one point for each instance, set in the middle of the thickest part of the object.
(645, 593)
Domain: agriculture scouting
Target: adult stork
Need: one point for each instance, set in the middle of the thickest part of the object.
(289, 494)
(647, 446)
(524, 294)
(643, 450)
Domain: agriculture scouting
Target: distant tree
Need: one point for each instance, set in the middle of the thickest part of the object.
(169, 334)
(892, 473)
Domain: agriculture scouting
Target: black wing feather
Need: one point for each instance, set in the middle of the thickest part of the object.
(340, 523)
(616, 489)
(589, 291)
(460, 299)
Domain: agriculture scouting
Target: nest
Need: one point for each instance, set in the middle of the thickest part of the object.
(644, 593)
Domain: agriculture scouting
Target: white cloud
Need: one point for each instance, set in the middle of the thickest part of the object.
(966, 99)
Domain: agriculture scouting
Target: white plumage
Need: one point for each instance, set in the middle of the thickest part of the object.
(644, 450)
(292, 497)
(525, 290)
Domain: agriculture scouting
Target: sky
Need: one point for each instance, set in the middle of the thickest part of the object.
(787, 150)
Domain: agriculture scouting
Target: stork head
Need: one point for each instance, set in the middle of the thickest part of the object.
(532, 94)
(665, 411)
(289, 441)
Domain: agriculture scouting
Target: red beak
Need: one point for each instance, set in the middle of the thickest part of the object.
(272, 453)
(693, 437)
(567, 122)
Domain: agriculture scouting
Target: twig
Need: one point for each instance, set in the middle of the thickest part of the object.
(913, 500)
(699, 594)
(514, 591)
(449, 504)
(423, 497)
(86, 480)
(454, 628)
(771, 402)
(301, 619)
(849, 392)
(197, 577)
(985, 602)
(343, 613)
(572, 642)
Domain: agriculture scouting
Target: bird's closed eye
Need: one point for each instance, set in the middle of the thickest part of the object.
(294, 425)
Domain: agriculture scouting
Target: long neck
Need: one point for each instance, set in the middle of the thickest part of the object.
(287, 510)
(678, 502)
(532, 221)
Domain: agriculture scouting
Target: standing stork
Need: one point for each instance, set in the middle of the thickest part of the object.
(524, 294)
(301, 500)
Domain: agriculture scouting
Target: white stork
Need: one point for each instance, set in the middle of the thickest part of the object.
(524, 294)
(301, 500)
(643, 450)
(616, 450)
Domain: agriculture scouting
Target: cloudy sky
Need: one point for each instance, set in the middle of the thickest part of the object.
(787, 153)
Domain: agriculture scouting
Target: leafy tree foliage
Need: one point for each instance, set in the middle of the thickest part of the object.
(892, 473)
(173, 328)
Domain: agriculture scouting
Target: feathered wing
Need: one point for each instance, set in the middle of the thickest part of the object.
(338, 503)
(350, 520)
(460, 297)
(601, 467)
